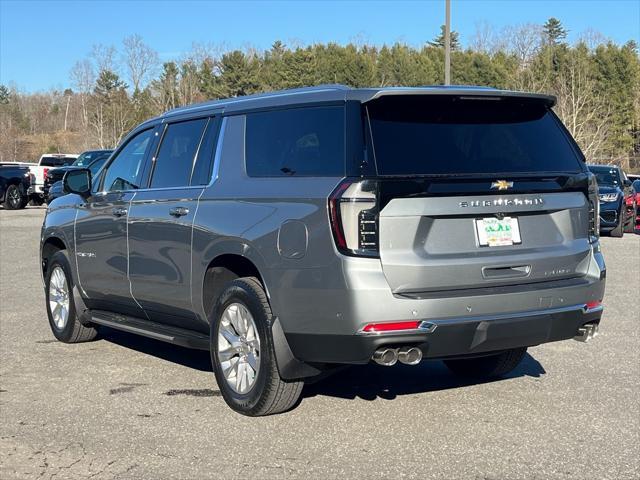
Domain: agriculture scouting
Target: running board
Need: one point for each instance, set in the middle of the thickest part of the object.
(165, 333)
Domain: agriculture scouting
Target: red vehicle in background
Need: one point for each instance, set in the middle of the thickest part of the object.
(633, 203)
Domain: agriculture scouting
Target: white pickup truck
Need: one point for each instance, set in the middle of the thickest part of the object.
(39, 170)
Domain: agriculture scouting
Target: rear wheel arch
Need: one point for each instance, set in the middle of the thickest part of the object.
(222, 270)
(227, 267)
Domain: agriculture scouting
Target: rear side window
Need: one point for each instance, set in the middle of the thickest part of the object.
(296, 142)
(450, 135)
(175, 159)
(202, 170)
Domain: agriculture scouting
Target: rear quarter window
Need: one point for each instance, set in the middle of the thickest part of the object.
(296, 142)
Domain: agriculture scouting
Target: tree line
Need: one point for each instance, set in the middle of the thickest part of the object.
(597, 83)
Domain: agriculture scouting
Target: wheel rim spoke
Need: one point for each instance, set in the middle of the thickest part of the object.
(231, 369)
(252, 360)
(236, 320)
(227, 354)
(238, 348)
(228, 335)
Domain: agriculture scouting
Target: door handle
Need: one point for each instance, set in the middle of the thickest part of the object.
(119, 211)
(178, 211)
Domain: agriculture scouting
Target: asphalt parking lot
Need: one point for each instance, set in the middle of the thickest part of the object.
(126, 407)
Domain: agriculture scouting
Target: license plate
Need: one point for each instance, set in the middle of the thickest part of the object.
(497, 232)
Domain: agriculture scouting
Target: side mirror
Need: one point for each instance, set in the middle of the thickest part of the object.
(78, 182)
(627, 183)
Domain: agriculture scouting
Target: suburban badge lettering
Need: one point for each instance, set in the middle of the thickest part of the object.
(503, 202)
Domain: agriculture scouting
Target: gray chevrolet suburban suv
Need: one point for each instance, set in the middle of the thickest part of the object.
(293, 232)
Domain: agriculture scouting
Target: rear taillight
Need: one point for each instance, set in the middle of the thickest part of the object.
(44, 172)
(594, 210)
(353, 212)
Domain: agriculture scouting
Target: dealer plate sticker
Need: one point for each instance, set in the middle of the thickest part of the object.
(497, 232)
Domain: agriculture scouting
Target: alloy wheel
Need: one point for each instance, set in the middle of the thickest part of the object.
(59, 297)
(238, 348)
(14, 197)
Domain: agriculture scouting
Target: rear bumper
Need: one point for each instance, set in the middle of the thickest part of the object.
(451, 337)
(322, 325)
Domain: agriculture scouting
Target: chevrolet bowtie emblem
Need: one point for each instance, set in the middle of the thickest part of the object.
(501, 185)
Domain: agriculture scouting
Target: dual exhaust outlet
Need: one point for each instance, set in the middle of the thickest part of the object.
(387, 356)
(587, 332)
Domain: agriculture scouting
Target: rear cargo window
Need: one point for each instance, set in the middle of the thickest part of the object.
(56, 161)
(452, 135)
(296, 142)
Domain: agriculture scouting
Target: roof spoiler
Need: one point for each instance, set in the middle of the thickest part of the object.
(465, 92)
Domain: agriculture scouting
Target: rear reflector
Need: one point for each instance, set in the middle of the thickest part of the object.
(592, 305)
(390, 326)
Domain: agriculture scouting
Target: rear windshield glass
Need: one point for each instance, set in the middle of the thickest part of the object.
(87, 158)
(451, 135)
(606, 175)
(56, 161)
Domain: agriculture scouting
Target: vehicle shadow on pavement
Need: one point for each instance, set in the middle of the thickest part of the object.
(369, 382)
(195, 359)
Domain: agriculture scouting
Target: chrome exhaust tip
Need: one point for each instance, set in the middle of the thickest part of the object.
(410, 355)
(386, 357)
(587, 332)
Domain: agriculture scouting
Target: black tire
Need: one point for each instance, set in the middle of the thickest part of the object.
(492, 366)
(631, 224)
(73, 331)
(619, 230)
(13, 198)
(270, 394)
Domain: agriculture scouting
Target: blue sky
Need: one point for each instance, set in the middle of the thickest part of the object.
(40, 41)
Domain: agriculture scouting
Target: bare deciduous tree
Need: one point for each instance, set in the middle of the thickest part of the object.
(104, 58)
(584, 112)
(523, 41)
(140, 59)
(483, 39)
(592, 38)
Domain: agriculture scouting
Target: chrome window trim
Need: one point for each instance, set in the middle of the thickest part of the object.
(215, 171)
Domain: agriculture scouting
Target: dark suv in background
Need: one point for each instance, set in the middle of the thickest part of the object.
(91, 159)
(614, 188)
(294, 232)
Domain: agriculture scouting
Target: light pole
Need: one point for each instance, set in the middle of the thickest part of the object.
(447, 43)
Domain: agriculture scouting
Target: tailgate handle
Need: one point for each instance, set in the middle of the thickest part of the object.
(506, 272)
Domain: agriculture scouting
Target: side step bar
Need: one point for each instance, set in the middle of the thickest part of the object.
(165, 333)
